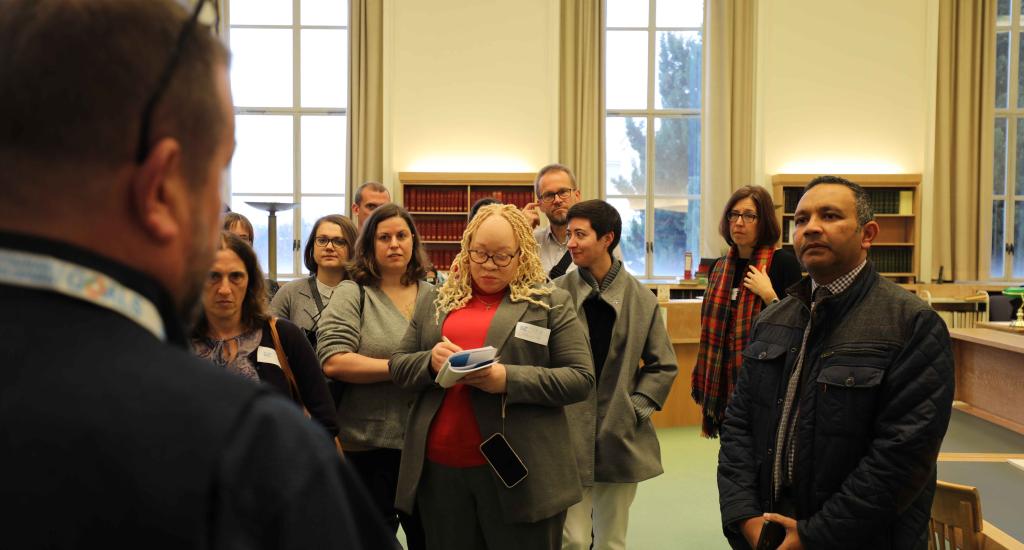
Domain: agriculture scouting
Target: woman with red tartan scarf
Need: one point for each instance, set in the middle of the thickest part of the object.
(752, 275)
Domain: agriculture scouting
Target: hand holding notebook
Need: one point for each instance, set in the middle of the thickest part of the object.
(464, 362)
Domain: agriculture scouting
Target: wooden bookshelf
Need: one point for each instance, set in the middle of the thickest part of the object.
(896, 199)
(440, 203)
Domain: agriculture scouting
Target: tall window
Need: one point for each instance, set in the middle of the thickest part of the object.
(289, 77)
(1008, 170)
(653, 79)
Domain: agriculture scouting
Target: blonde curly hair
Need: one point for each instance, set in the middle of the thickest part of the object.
(529, 280)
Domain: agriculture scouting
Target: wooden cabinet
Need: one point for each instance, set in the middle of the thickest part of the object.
(440, 203)
(896, 200)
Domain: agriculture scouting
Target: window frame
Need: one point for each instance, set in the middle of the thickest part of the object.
(1013, 113)
(296, 112)
(650, 115)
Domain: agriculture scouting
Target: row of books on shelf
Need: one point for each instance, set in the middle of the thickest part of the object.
(883, 201)
(520, 198)
(442, 258)
(441, 230)
(892, 259)
(962, 319)
(418, 199)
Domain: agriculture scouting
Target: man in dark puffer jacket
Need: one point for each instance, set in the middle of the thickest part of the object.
(835, 427)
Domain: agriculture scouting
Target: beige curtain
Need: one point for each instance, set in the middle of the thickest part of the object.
(729, 67)
(581, 93)
(365, 93)
(963, 133)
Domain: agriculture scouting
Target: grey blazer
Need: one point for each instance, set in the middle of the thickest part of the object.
(542, 380)
(611, 444)
(295, 303)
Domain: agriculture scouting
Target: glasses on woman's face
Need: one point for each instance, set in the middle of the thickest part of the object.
(748, 217)
(500, 259)
(323, 241)
(548, 198)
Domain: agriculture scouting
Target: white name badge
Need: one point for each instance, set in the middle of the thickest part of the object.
(735, 293)
(533, 333)
(267, 355)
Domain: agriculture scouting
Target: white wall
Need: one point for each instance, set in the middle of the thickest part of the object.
(847, 87)
(470, 86)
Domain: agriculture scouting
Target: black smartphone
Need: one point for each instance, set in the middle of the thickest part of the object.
(503, 460)
(772, 535)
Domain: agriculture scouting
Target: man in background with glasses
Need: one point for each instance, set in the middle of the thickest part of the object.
(556, 190)
(115, 127)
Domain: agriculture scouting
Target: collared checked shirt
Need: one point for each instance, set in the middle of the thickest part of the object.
(785, 449)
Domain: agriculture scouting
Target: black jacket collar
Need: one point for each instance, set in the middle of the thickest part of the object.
(127, 276)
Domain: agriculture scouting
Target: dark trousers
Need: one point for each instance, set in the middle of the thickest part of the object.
(460, 511)
(378, 470)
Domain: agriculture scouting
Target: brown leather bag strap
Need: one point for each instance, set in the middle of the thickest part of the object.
(293, 386)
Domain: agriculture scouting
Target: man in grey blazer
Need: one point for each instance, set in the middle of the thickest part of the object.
(615, 442)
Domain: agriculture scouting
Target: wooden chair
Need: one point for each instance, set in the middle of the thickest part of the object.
(956, 518)
(956, 522)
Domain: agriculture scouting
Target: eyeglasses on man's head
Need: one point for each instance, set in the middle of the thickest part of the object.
(142, 150)
(500, 259)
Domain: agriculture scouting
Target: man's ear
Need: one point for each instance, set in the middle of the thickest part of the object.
(607, 238)
(157, 190)
(868, 234)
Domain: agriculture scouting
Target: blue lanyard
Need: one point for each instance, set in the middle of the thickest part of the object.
(37, 271)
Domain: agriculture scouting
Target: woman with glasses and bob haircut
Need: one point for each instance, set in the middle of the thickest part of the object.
(328, 250)
(359, 330)
(235, 332)
(752, 275)
(462, 440)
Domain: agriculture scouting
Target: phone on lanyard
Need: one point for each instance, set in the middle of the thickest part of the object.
(503, 460)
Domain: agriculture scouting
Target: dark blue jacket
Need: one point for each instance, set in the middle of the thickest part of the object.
(875, 400)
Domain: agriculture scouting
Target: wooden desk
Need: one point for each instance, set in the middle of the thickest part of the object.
(990, 375)
(683, 323)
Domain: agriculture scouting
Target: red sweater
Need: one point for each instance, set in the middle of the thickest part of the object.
(454, 439)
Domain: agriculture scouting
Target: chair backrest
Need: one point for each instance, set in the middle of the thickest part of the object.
(1001, 308)
(956, 518)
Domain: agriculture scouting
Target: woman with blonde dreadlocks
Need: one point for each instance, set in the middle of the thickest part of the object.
(459, 461)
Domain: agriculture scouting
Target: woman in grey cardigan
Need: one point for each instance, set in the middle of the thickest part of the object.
(495, 296)
(328, 249)
(359, 330)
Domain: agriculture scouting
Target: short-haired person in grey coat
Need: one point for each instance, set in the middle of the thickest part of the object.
(615, 442)
(843, 398)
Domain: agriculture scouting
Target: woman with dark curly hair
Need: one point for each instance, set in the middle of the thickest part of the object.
(235, 332)
(359, 329)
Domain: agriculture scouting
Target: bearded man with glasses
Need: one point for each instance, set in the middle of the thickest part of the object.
(556, 190)
(115, 127)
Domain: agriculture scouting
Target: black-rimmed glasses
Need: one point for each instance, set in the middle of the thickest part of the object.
(500, 259)
(549, 197)
(322, 241)
(142, 151)
(748, 217)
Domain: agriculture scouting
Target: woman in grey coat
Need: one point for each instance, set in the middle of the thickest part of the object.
(496, 295)
(360, 329)
(328, 249)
